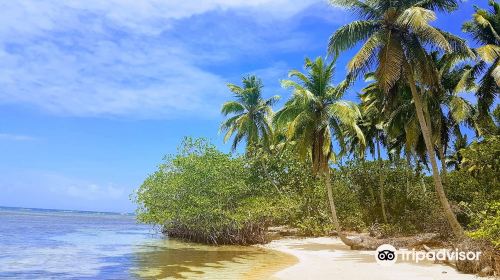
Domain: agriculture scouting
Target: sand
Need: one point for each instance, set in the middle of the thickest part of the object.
(328, 258)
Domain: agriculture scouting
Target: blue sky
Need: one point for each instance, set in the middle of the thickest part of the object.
(94, 93)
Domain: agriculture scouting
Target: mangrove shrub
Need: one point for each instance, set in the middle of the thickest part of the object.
(202, 195)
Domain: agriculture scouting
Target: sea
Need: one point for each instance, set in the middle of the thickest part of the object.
(58, 244)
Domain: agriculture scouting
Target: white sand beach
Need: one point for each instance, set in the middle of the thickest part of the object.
(328, 258)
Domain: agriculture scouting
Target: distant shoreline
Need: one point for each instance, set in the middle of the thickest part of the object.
(15, 208)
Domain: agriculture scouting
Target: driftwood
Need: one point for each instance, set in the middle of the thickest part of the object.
(489, 262)
(445, 261)
(369, 243)
(281, 231)
(487, 265)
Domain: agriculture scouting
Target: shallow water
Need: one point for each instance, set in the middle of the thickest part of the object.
(47, 244)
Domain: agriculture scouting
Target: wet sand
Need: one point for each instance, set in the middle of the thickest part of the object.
(175, 259)
(328, 258)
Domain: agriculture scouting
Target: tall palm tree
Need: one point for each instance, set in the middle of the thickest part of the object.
(443, 103)
(396, 35)
(251, 120)
(453, 75)
(455, 159)
(372, 125)
(485, 30)
(391, 116)
(315, 116)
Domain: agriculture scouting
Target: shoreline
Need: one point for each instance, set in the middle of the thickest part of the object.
(328, 258)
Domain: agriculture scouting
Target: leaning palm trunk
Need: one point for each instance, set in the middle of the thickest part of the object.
(382, 199)
(381, 181)
(408, 173)
(450, 216)
(443, 164)
(370, 191)
(335, 219)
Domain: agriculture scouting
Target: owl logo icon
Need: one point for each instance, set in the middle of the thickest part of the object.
(386, 255)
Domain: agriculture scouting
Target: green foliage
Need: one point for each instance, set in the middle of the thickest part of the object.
(393, 36)
(302, 197)
(408, 199)
(483, 158)
(475, 185)
(487, 224)
(251, 114)
(203, 195)
(349, 207)
(316, 115)
(484, 28)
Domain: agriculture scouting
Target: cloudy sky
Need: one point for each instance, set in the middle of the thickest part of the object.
(93, 93)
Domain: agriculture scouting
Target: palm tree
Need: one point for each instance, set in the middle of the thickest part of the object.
(485, 30)
(396, 35)
(314, 116)
(455, 159)
(372, 125)
(251, 120)
(391, 116)
(453, 77)
(402, 125)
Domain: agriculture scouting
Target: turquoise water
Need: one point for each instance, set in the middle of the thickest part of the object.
(48, 244)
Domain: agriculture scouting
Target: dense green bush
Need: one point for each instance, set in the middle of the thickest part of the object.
(302, 197)
(349, 207)
(482, 159)
(486, 224)
(476, 189)
(409, 200)
(203, 195)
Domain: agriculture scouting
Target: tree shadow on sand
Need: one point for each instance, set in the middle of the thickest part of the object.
(172, 260)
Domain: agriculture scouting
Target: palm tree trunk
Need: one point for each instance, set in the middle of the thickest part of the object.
(408, 174)
(370, 190)
(381, 183)
(443, 164)
(450, 216)
(333, 211)
(408, 158)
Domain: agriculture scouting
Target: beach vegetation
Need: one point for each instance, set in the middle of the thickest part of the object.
(412, 155)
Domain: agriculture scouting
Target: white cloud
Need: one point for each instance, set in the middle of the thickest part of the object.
(46, 189)
(15, 137)
(143, 59)
(147, 16)
(92, 192)
(75, 188)
(112, 79)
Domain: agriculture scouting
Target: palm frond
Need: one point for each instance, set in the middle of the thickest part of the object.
(346, 112)
(350, 34)
(367, 51)
(437, 5)
(235, 89)
(271, 101)
(489, 53)
(391, 58)
(232, 107)
(460, 109)
(363, 9)
(417, 19)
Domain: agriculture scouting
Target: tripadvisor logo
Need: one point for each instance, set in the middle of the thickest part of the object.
(387, 255)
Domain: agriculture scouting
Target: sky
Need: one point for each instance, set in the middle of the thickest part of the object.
(94, 93)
